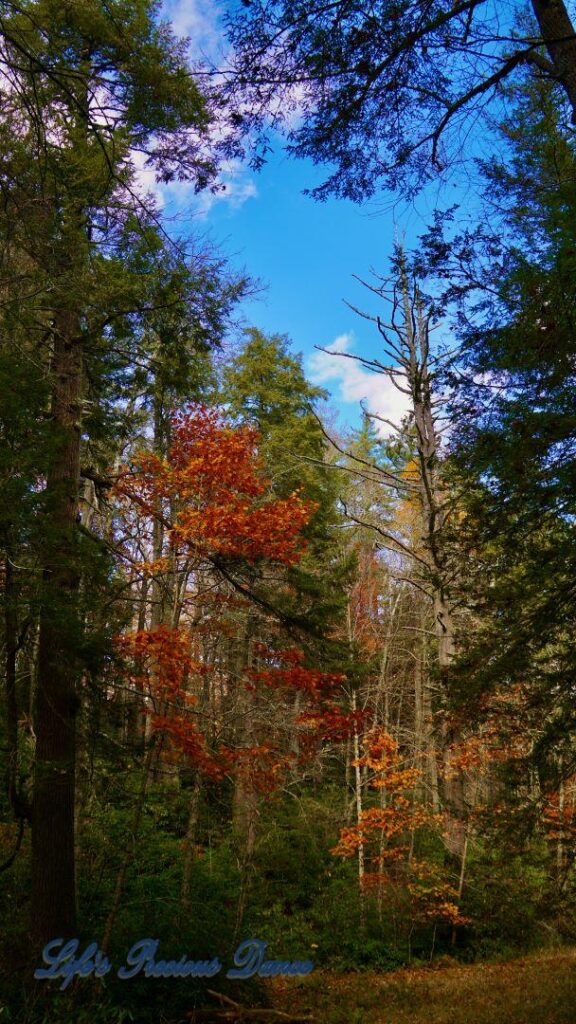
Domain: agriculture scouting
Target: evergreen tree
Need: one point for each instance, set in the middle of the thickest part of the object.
(266, 386)
(382, 90)
(80, 91)
(514, 408)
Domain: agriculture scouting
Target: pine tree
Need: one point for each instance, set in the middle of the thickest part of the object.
(516, 421)
(266, 385)
(382, 92)
(89, 89)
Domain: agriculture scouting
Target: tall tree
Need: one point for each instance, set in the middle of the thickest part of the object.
(514, 407)
(79, 91)
(265, 385)
(419, 534)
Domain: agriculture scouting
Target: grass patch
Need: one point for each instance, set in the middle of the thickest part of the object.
(535, 989)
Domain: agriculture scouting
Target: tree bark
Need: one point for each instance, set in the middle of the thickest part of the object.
(560, 41)
(245, 799)
(420, 386)
(189, 842)
(357, 782)
(53, 862)
(358, 796)
(11, 650)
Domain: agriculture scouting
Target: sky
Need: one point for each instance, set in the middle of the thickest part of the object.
(303, 253)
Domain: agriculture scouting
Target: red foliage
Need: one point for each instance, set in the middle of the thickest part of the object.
(211, 493)
(287, 671)
(212, 497)
(386, 834)
(163, 670)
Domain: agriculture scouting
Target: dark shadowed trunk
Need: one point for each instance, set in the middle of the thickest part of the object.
(53, 869)
(11, 648)
(560, 40)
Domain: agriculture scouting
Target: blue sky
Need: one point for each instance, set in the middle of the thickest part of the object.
(303, 252)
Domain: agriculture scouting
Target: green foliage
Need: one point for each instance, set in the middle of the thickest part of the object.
(515, 442)
(76, 247)
(505, 900)
(382, 90)
(265, 385)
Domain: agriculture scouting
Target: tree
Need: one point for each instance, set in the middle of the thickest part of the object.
(509, 288)
(379, 91)
(210, 478)
(265, 386)
(514, 408)
(221, 523)
(388, 834)
(416, 528)
(80, 90)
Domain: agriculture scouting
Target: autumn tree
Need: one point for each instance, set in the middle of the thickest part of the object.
(388, 835)
(220, 523)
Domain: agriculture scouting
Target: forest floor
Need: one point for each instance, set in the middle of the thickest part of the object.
(535, 989)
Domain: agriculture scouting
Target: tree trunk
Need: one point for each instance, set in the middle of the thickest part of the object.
(53, 865)
(11, 649)
(245, 800)
(434, 519)
(560, 854)
(560, 41)
(189, 841)
(419, 739)
(358, 794)
(430, 743)
(135, 720)
(245, 809)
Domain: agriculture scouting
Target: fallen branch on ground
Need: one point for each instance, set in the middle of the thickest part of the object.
(232, 1011)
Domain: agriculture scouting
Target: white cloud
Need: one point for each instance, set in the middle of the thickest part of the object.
(200, 21)
(179, 196)
(237, 184)
(355, 383)
(145, 183)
